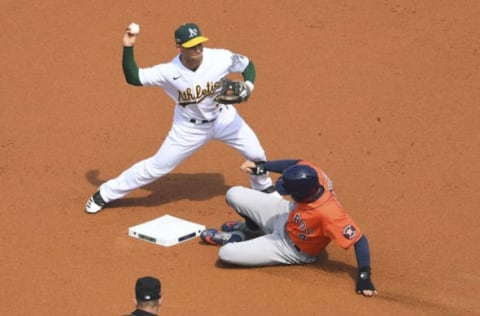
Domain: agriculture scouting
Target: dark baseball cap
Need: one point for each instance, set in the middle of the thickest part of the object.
(280, 186)
(300, 181)
(188, 35)
(147, 289)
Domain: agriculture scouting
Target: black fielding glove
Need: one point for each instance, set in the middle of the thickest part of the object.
(364, 281)
(259, 168)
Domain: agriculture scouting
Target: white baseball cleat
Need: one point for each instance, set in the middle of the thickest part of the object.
(95, 203)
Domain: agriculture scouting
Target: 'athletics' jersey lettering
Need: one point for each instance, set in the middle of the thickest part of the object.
(194, 90)
(190, 97)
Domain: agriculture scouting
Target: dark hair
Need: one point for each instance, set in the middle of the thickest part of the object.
(148, 304)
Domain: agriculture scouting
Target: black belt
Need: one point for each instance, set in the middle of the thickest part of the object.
(194, 121)
(295, 246)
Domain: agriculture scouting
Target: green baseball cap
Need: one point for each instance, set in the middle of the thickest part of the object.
(189, 35)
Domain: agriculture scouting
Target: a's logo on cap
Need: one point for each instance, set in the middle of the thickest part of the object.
(349, 232)
(193, 32)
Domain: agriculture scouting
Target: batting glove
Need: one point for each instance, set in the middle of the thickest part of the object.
(259, 168)
(364, 283)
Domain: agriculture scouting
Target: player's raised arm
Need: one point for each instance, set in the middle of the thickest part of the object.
(130, 68)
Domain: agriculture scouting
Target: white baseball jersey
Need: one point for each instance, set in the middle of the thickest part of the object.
(193, 91)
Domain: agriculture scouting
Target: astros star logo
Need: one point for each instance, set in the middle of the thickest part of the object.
(349, 232)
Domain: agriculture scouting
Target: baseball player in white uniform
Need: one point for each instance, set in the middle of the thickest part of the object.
(191, 79)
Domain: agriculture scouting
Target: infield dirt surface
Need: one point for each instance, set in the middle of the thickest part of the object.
(384, 95)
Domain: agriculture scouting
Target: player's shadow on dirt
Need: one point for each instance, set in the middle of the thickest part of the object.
(323, 263)
(333, 266)
(170, 188)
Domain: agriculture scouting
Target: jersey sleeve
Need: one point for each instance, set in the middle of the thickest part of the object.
(238, 63)
(152, 76)
(340, 228)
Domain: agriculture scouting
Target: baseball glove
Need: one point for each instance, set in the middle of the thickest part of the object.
(233, 91)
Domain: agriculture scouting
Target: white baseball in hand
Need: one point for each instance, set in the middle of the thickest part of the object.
(134, 28)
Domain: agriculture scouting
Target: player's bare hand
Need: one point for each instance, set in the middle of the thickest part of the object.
(247, 166)
(129, 39)
(255, 168)
(367, 292)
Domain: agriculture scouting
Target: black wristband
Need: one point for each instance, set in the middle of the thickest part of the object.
(364, 281)
(364, 273)
(259, 168)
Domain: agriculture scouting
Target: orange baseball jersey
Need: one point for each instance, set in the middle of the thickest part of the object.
(311, 226)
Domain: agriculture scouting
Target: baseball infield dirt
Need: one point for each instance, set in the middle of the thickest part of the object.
(384, 95)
